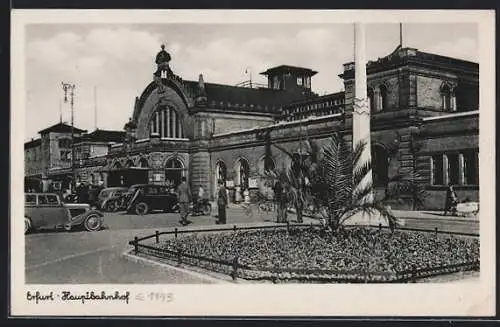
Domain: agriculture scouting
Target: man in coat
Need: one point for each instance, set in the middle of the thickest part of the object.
(222, 203)
(184, 197)
(451, 201)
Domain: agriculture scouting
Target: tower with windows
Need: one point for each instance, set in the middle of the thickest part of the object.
(290, 78)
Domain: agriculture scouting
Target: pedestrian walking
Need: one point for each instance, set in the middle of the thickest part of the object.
(221, 203)
(451, 201)
(279, 197)
(184, 196)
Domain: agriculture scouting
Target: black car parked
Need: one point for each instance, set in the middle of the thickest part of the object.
(144, 198)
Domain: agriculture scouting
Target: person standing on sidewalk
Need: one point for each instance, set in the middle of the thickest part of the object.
(184, 196)
(279, 198)
(221, 203)
(451, 201)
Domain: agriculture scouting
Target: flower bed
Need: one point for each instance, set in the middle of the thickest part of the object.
(357, 252)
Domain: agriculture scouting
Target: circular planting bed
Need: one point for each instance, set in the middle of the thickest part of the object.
(355, 255)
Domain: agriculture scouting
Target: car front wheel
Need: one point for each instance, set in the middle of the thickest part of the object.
(92, 222)
(27, 225)
(141, 208)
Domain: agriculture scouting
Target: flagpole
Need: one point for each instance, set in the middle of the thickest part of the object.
(401, 35)
(361, 113)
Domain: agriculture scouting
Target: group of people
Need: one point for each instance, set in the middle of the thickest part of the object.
(184, 197)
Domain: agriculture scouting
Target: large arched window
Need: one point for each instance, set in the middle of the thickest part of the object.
(382, 98)
(371, 99)
(446, 97)
(166, 123)
(174, 170)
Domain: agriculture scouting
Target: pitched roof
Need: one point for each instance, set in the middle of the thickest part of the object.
(236, 98)
(61, 128)
(289, 69)
(102, 135)
(33, 143)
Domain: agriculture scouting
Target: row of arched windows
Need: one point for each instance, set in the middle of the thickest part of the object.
(377, 97)
(166, 123)
(242, 171)
(174, 169)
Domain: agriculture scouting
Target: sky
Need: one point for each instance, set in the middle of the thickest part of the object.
(112, 64)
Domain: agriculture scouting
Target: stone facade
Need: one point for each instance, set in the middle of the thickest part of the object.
(424, 119)
(53, 156)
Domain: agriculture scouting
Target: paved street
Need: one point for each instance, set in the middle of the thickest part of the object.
(83, 257)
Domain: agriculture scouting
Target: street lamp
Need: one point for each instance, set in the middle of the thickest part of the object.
(69, 89)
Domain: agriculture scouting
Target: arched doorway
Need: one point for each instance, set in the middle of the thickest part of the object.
(242, 173)
(380, 169)
(174, 171)
(220, 172)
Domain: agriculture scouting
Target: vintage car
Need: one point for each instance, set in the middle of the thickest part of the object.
(144, 198)
(112, 198)
(47, 210)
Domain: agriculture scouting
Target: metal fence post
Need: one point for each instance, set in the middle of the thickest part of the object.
(179, 256)
(287, 226)
(379, 226)
(175, 232)
(157, 234)
(234, 228)
(366, 273)
(413, 273)
(436, 231)
(234, 273)
(136, 244)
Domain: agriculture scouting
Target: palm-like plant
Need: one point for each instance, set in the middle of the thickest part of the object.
(339, 184)
(332, 179)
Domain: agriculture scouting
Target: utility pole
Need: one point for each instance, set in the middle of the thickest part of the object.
(60, 112)
(69, 89)
(248, 70)
(95, 108)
